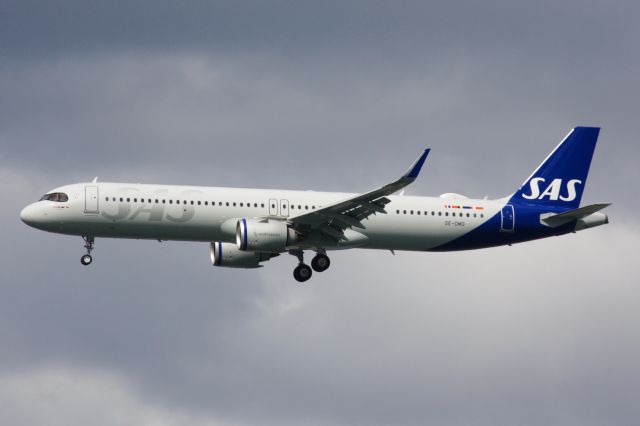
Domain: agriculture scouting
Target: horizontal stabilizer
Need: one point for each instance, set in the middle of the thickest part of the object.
(555, 220)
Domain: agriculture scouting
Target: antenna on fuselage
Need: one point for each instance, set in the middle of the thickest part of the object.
(95, 179)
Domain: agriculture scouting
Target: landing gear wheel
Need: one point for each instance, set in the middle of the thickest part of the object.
(320, 262)
(88, 244)
(302, 272)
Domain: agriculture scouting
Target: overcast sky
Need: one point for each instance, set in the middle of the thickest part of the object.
(328, 95)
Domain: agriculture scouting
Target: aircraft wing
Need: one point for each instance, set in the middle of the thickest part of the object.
(333, 219)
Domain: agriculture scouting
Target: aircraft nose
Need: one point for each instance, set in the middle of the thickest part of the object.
(28, 215)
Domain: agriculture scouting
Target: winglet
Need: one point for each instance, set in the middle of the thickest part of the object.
(414, 170)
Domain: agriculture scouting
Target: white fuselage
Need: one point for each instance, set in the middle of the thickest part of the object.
(196, 213)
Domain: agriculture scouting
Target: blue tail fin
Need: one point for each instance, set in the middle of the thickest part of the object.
(559, 181)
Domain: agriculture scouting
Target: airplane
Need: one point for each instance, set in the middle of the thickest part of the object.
(247, 227)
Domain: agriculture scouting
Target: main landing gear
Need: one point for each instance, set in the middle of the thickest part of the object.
(302, 272)
(88, 244)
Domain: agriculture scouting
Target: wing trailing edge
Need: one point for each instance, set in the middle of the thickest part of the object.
(334, 219)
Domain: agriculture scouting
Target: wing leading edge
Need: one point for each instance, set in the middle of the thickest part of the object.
(334, 219)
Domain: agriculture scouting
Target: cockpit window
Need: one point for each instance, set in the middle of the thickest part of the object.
(60, 197)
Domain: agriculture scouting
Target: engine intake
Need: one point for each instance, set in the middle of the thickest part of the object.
(227, 255)
(264, 235)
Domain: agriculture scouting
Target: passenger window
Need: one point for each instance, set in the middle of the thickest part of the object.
(106, 199)
(241, 204)
(227, 204)
(156, 201)
(164, 201)
(404, 212)
(397, 211)
(262, 205)
(121, 199)
(199, 203)
(206, 203)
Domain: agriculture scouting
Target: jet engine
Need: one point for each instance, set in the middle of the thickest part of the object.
(227, 255)
(264, 235)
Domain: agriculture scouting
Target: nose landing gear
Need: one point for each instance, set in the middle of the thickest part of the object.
(88, 244)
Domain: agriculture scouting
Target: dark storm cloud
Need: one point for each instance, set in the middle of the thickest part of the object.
(322, 95)
(576, 30)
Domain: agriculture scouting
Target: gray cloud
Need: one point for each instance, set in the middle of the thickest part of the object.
(325, 96)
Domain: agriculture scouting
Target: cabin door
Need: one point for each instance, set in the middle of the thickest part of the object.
(507, 223)
(91, 199)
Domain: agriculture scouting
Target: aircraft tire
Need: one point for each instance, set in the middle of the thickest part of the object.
(302, 273)
(86, 259)
(320, 262)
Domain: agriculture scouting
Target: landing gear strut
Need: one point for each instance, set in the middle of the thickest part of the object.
(88, 244)
(302, 272)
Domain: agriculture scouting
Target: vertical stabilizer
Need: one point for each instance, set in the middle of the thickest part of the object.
(560, 180)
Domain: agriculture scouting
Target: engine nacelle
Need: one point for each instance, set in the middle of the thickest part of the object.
(227, 255)
(264, 235)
